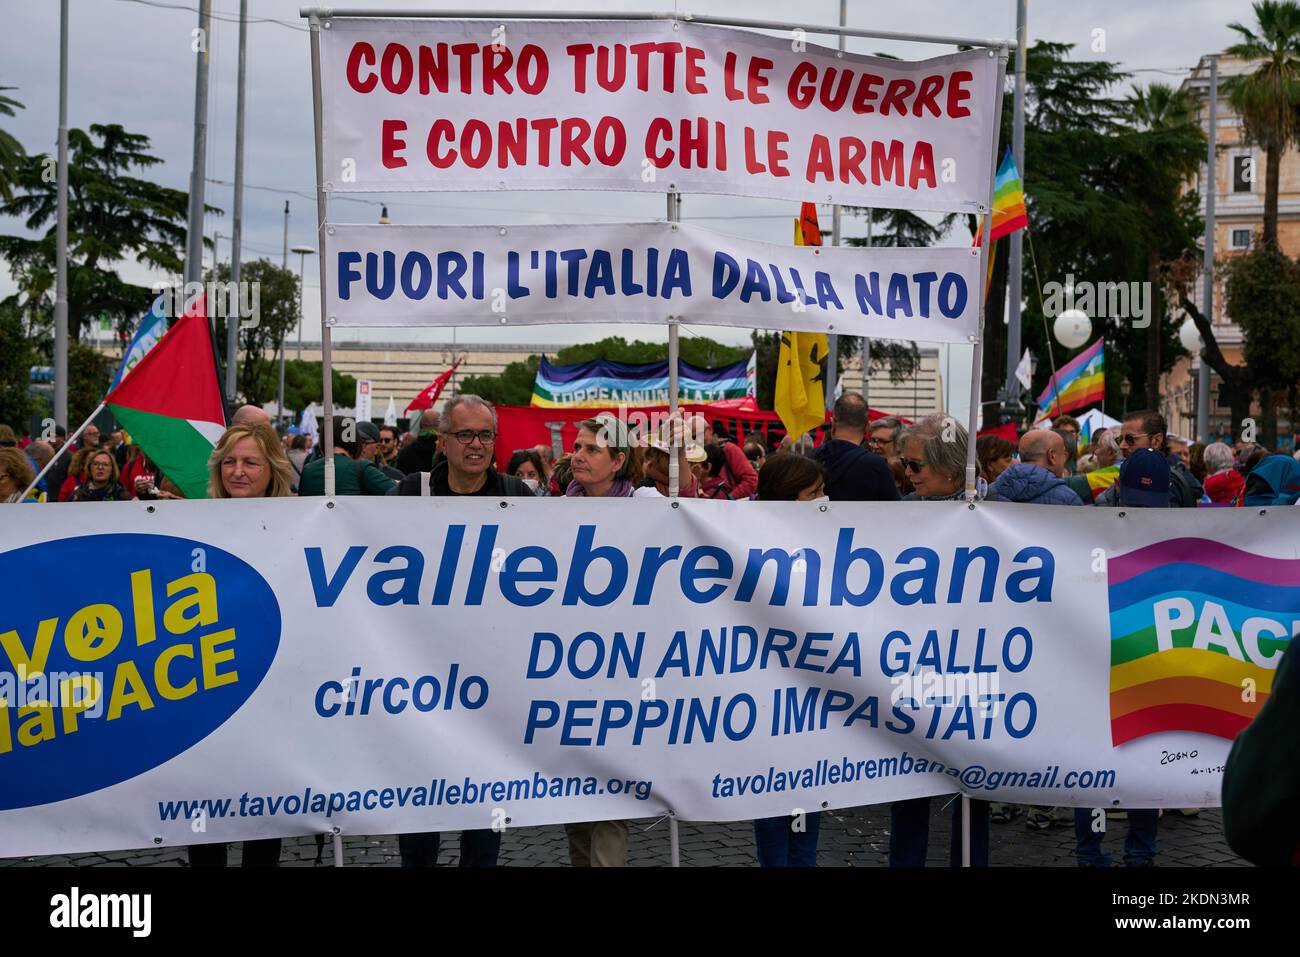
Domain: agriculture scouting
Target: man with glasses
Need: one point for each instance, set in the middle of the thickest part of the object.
(354, 472)
(1146, 430)
(881, 435)
(468, 426)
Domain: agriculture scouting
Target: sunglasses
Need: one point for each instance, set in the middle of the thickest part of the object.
(1132, 439)
(913, 465)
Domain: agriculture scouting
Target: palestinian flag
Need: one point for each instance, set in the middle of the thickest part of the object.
(171, 403)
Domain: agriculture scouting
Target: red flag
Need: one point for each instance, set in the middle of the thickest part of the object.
(808, 227)
(429, 396)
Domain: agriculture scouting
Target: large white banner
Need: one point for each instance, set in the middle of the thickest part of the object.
(650, 106)
(230, 670)
(644, 272)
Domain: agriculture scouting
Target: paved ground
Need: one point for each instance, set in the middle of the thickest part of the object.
(854, 837)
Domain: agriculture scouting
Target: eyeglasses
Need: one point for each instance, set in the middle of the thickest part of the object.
(466, 436)
(913, 465)
(1127, 439)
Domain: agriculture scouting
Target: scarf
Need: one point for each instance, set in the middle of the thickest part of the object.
(622, 488)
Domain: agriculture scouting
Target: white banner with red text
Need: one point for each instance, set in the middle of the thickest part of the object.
(650, 106)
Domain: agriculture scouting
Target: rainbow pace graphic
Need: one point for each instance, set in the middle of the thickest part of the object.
(299, 670)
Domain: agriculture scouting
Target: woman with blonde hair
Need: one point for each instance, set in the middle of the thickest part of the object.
(248, 461)
(16, 473)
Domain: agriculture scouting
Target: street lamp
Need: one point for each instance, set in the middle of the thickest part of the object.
(1125, 387)
(303, 252)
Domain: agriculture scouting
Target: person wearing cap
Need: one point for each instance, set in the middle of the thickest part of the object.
(1145, 430)
(371, 443)
(738, 473)
(853, 474)
(655, 466)
(1143, 483)
(354, 472)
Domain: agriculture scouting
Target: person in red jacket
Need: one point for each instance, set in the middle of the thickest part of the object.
(1223, 483)
(738, 472)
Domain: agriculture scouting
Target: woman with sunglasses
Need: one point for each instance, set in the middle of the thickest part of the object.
(933, 452)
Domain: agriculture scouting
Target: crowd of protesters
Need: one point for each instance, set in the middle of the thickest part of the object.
(453, 452)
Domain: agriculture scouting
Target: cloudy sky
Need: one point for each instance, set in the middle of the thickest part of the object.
(131, 63)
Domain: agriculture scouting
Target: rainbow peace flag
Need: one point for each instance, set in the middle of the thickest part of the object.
(1101, 479)
(1081, 381)
(1008, 202)
(1197, 631)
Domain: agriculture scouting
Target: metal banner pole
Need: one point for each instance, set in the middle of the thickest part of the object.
(784, 26)
(674, 470)
(67, 444)
(977, 354)
(61, 237)
(674, 478)
(1017, 238)
(833, 339)
(326, 359)
(977, 358)
(1207, 306)
(233, 318)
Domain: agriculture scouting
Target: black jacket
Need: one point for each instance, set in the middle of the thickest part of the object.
(497, 485)
(853, 474)
(418, 456)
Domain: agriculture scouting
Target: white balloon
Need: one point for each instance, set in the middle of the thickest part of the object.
(1189, 337)
(1072, 328)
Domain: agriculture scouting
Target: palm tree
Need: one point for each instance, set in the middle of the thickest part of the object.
(11, 151)
(1268, 100)
(1167, 144)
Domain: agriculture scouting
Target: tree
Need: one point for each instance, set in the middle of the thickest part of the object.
(12, 153)
(1268, 100)
(514, 386)
(1263, 298)
(303, 384)
(1161, 154)
(88, 378)
(1103, 180)
(257, 377)
(113, 216)
(17, 356)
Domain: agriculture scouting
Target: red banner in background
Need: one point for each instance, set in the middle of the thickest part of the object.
(523, 426)
(1007, 431)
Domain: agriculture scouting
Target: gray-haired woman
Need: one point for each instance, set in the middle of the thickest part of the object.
(933, 451)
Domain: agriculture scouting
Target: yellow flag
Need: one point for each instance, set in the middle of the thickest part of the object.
(800, 381)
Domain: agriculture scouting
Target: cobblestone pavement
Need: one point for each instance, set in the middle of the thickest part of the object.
(853, 837)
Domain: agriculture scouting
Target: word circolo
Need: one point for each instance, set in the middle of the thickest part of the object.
(150, 634)
(651, 272)
(531, 575)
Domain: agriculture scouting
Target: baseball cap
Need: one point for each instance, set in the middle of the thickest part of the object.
(1144, 479)
(367, 432)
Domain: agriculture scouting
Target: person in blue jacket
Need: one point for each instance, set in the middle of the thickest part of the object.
(1039, 477)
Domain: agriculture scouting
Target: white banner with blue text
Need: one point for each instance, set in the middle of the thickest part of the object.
(185, 672)
(644, 272)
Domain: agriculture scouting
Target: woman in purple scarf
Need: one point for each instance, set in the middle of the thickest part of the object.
(602, 460)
